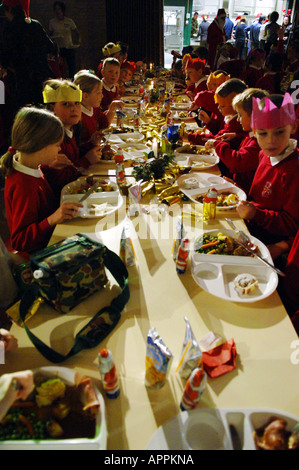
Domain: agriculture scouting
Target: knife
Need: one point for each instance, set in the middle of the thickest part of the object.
(88, 193)
(259, 257)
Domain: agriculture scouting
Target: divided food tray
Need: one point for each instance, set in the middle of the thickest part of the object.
(92, 205)
(98, 442)
(197, 162)
(200, 183)
(215, 429)
(216, 273)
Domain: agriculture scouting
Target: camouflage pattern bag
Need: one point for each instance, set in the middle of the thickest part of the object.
(69, 271)
(66, 273)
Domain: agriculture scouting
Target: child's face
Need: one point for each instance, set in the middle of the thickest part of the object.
(125, 75)
(244, 118)
(274, 141)
(227, 110)
(50, 152)
(94, 98)
(69, 112)
(111, 74)
(193, 75)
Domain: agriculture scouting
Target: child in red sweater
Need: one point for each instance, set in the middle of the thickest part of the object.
(194, 69)
(110, 73)
(32, 205)
(92, 118)
(224, 96)
(242, 163)
(273, 213)
(127, 70)
(63, 98)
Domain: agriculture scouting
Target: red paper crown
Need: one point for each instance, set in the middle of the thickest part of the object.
(23, 3)
(129, 65)
(271, 117)
(287, 12)
(196, 64)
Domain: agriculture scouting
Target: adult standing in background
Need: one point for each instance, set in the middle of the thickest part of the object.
(203, 30)
(66, 35)
(271, 31)
(26, 46)
(240, 36)
(228, 27)
(216, 35)
(254, 31)
(194, 25)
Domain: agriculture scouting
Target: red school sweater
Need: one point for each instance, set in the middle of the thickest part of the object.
(92, 122)
(29, 200)
(241, 163)
(275, 194)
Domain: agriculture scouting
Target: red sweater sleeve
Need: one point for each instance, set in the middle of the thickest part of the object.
(242, 160)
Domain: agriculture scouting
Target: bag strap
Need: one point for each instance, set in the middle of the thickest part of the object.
(94, 332)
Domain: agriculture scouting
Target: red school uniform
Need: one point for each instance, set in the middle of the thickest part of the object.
(231, 124)
(252, 75)
(270, 82)
(109, 95)
(92, 121)
(242, 163)
(71, 149)
(275, 194)
(29, 201)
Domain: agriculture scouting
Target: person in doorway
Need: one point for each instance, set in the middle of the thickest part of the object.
(194, 25)
(216, 35)
(203, 30)
(66, 35)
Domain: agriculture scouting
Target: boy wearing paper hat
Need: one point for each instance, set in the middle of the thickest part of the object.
(273, 211)
(194, 70)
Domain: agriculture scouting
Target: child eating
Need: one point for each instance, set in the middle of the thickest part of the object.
(273, 213)
(32, 206)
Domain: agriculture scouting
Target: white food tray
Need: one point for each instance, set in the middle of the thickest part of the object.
(197, 162)
(113, 199)
(216, 273)
(99, 442)
(129, 137)
(206, 181)
(224, 429)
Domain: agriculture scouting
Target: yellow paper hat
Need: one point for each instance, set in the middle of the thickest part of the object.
(65, 92)
(225, 100)
(217, 79)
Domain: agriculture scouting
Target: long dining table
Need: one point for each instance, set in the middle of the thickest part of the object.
(266, 374)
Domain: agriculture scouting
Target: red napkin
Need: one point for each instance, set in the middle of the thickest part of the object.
(220, 360)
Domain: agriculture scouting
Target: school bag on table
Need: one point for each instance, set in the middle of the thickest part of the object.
(68, 272)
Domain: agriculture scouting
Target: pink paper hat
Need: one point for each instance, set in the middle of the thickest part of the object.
(270, 116)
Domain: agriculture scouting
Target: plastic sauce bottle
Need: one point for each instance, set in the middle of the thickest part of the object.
(194, 388)
(209, 204)
(120, 171)
(108, 373)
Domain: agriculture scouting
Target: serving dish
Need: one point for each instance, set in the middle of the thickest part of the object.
(195, 185)
(215, 273)
(98, 204)
(98, 442)
(214, 429)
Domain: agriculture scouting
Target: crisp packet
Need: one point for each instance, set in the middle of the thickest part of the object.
(180, 234)
(191, 353)
(126, 251)
(157, 361)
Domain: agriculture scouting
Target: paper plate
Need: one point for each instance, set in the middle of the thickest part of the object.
(195, 185)
(99, 442)
(216, 273)
(215, 429)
